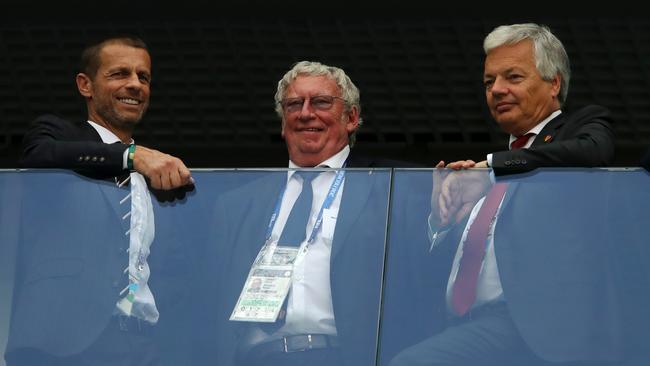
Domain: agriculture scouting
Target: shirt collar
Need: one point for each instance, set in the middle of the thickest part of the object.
(106, 135)
(538, 128)
(335, 161)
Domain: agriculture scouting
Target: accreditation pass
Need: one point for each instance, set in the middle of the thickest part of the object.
(267, 285)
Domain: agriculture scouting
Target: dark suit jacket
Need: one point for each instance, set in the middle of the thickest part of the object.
(356, 260)
(70, 261)
(551, 255)
(72, 252)
(52, 142)
(581, 139)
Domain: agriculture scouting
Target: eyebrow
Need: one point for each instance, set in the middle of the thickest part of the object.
(507, 71)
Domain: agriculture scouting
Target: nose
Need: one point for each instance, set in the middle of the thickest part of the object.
(499, 87)
(306, 112)
(134, 82)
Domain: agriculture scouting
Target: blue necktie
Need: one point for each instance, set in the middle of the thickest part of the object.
(293, 233)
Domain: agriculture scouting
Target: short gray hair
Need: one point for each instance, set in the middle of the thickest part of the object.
(551, 58)
(349, 91)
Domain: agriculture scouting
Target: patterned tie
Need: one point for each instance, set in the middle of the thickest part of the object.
(464, 289)
(294, 230)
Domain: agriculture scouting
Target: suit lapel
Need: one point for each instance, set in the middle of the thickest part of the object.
(549, 133)
(88, 132)
(262, 205)
(356, 191)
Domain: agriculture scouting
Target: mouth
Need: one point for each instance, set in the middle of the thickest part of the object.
(130, 101)
(311, 129)
(503, 107)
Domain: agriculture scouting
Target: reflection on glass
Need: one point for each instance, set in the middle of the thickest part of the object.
(562, 267)
(526, 269)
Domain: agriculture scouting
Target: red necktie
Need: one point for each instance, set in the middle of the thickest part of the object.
(521, 141)
(464, 289)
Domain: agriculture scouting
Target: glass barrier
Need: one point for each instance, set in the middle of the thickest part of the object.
(219, 268)
(543, 268)
(406, 267)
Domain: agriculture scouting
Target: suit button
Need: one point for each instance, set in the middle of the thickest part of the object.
(87, 158)
(524, 161)
(517, 161)
(94, 159)
(115, 284)
(507, 163)
(80, 158)
(101, 159)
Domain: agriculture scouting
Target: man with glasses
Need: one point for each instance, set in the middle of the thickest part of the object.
(328, 314)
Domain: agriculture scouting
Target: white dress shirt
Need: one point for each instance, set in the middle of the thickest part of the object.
(141, 234)
(488, 286)
(309, 305)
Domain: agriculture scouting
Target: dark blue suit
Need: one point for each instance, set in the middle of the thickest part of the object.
(550, 244)
(355, 264)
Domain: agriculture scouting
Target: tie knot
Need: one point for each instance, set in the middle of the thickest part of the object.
(521, 141)
(307, 175)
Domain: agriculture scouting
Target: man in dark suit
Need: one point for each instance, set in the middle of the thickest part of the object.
(528, 279)
(331, 307)
(82, 297)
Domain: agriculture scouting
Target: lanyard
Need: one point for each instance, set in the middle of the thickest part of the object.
(331, 195)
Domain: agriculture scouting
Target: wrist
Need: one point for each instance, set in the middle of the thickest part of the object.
(130, 157)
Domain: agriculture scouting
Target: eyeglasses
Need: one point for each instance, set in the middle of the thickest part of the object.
(318, 102)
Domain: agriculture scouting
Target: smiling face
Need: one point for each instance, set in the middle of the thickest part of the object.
(517, 96)
(118, 95)
(313, 134)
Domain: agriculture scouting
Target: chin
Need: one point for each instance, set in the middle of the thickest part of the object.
(506, 124)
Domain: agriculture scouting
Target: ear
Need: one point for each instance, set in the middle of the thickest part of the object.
(84, 84)
(353, 120)
(556, 83)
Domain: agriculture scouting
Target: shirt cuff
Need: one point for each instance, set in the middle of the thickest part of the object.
(125, 158)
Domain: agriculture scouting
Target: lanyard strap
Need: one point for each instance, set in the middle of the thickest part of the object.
(331, 195)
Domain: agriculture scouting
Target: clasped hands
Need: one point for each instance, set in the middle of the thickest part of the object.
(456, 190)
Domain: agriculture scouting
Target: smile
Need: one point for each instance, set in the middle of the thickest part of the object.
(129, 101)
(311, 129)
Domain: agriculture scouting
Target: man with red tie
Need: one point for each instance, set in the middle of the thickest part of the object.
(523, 279)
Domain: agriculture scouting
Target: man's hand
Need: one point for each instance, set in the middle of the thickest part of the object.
(467, 164)
(439, 175)
(454, 194)
(163, 170)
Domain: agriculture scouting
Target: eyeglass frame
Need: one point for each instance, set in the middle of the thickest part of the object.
(284, 101)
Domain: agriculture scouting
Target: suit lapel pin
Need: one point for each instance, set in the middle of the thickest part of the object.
(548, 138)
